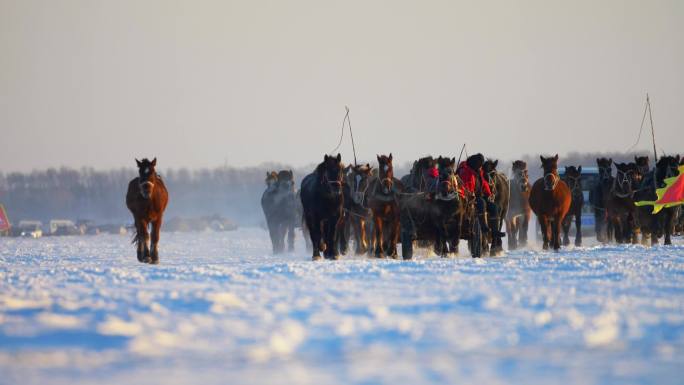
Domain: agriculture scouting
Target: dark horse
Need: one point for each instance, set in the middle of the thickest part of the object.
(662, 223)
(357, 216)
(501, 194)
(573, 178)
(519, 212)
(280, 209)
(384, 203)
(432, 209)
(597, 199)
(620, 203)
(323, 202)
(147, 198)
(550, 200)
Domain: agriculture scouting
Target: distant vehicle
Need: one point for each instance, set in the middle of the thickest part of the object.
(31, 229)
(63, 227)
(590, 178)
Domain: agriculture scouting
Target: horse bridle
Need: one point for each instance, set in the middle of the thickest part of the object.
(622, 179)
(554, 177)
(522, 179)
(576, 188)
(358, 196)
(326, 181)
(147, 182)
(390, 181)
(451, 183)
(605, 173)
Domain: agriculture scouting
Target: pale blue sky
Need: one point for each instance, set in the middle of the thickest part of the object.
(199, 83)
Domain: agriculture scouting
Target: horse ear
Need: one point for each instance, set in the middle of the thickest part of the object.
(542, 159)
(138, 162)
(635, 159)
(291, 174)
(325, 157)
(339, 157)
(368, 165)
(555, 157)
(610, 161)
(378, 156)
(390, 157)
(496, 163)
(677, 157)
(579, 169)
(154, 162)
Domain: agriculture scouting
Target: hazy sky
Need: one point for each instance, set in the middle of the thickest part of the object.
(202, 83)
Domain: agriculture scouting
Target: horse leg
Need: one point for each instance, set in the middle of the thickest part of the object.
(273, 234)
(544, 226)
(394, 237)
(578, 228)
(379, 241)
(290, 236)
(154, 252)
(359, 225)
(669, 225)
(315, 234)
(333, 228)
(145, 241)
(510, 232)
(140, 240)
(556, 232)
(566, 229)
(522, 236)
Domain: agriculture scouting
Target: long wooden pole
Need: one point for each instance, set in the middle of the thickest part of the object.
(351, 134)
(650, 117)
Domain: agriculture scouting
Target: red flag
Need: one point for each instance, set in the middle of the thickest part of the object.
(4, 220)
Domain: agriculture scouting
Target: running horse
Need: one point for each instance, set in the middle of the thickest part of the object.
(519, 211)
(147, 198)
(573, 178)
(357, 222)
(620, 203)
(550, 200)
(501, 194)
(663, 223)
(383, 201)
(597, 199)
(280, 209)
(323, 202)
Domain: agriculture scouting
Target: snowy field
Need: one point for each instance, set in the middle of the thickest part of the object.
(219, 309)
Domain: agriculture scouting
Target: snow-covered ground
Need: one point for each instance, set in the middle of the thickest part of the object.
(219, 309)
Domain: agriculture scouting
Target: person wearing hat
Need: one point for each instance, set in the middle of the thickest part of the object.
(473, 179)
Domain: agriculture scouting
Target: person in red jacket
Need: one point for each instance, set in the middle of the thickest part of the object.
(473, 179)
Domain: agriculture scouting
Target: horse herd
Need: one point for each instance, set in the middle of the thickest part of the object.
(428, 207)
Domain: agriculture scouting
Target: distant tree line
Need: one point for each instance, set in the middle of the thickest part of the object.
(231, 192)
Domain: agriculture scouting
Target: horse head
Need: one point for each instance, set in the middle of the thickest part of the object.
(623, 184)
(667, 167)
(520, 175)
(285, 180)
(573, 178)
(550, 167)
(147, 176)
(605, 169)
(358, 179)
(489, 168)
(386, 173)
(448, 183)
(642, 164)
(330, 174)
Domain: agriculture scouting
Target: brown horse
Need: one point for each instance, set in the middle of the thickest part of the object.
(147, 198)
(384, 204)
(519, 211)
(573, 178)
(550, 200)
